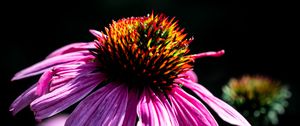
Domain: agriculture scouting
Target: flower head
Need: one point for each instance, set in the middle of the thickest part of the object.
(132, 74)
(258, 97)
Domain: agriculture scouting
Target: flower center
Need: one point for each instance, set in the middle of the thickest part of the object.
(144, 51)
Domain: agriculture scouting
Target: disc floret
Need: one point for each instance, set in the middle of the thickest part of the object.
(151, 50)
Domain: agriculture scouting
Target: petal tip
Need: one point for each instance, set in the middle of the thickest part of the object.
(96, 33)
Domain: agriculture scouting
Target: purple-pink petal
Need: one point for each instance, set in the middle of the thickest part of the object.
(190, 75)
(100, 36)
(111, 111)
(24, 99)
(106, 106)
(130, 115)
(189, 110)
(84, 111)
(226, 112)
(169, 109)
(151, 111)
(63, 97)
(38, 68)
(73, 47)
(44, 83)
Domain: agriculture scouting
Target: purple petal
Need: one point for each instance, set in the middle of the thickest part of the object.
(66, 72)
(73, 47)
(42, 66)
(23, 100)
(63, 97)
(87, 107)
(151, 111)
(111, 111)
(130, 115)
(226, 112)
(106, 106)
(189, 110)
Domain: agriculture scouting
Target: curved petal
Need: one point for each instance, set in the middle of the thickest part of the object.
(190, 75)
(151, 111)
(31, 94)
(100, 36)
(189, 110)
(63, 97)
(207, 54)
(105, 106)
(73, 47)
(23, 100)
(42, 66)
(225, 111)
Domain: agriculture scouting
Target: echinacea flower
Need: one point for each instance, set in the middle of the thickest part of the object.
(133, 74)
(259, 98)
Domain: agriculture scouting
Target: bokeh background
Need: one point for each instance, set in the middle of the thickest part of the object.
(256, 35)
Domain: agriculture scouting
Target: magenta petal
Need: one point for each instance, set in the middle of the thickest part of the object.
(152, 112)
(106, 106)
(130, 115)
(189, 110)
(42, 66)
(226, 112)
(63, 97)
(190, 75)
(44, 83)
(169, 109)
(74, 47)
(23, 100)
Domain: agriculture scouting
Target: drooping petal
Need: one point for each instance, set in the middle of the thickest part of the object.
(111, 111)
(63, 97)
(23, 100)
(225, 111)
(83, 112)
(169, 109)
(73, 47)
(207, 54)
(151, 111)
(189, 110)
(42, 66)
(106, 106)
(130, 115)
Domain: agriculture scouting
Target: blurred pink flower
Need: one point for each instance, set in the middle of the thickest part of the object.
(135, 70)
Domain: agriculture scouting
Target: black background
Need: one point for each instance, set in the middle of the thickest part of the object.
(256, 35)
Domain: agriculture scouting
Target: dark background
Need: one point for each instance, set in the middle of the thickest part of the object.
(257, 37)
